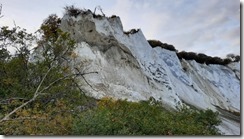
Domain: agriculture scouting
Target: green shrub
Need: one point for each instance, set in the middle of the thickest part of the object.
(156, 43)
(187, 55)
(233, 57)
(132, 31)
(72, 10)
(144, 118)
(237, 58)
(46, 116)
(113, 16)
(202, 58)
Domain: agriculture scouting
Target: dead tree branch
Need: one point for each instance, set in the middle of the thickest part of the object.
(100, 9)
(37, 92)
(7, 101)
(31, 100)
(85, 79)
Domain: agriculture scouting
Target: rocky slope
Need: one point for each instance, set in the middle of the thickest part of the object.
(129, 68)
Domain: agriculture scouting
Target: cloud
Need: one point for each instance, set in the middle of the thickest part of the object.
(203, 23)
(191, 25)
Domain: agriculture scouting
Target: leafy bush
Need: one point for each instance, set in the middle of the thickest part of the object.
(51, 114)
(113, 16)
(216, 60)
(227, 61)
(51, 120)
(132, 31)
(187, 55)
(202, 58)
(233, 57)
(144, 118)
(72, 10)
(155, 43)
(237, 58)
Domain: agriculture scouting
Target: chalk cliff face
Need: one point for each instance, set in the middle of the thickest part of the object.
(129, 68)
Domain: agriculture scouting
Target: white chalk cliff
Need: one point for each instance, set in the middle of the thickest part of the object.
(129, 68)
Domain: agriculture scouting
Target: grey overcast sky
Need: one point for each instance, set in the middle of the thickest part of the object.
(203, 26)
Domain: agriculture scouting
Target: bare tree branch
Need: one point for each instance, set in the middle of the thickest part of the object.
(100, 9)
(16, 109)
(33, 98)
(27, 118)
(85, 79)
(62, 78)
(37, 92)
(7, 101)
(77, 85)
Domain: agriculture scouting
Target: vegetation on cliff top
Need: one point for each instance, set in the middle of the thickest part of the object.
(200, 58)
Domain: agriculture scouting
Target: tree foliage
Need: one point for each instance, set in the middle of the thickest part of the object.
(15, 67)
(157, 43)
(233, 57)
(38, 77)
(202, 58)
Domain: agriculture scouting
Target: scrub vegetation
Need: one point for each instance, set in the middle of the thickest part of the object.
(198, 57)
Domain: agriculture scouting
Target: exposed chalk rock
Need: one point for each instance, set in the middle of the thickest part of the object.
(129, 68)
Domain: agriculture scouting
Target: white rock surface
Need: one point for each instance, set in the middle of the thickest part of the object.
(129, 68)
